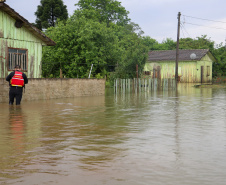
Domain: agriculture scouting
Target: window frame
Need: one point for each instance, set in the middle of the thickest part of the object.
(26, 52)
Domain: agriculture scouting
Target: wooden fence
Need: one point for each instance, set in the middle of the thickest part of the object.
(139, 85)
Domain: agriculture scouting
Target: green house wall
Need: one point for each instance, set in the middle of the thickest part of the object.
(188, 71)
(13, 37)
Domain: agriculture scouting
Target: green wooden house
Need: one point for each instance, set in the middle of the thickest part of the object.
(20, 43)
(194, 66)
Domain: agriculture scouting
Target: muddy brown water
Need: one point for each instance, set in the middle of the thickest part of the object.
(153, 138)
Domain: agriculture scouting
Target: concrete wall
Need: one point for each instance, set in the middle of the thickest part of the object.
(41, 88)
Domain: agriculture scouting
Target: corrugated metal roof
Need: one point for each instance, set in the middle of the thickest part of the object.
(170, 55)
(4, 7)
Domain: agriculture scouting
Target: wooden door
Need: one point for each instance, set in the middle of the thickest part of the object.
(202, 74)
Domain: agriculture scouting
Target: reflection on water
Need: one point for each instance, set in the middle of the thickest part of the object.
(149, 138)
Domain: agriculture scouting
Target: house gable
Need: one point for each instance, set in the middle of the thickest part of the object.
(209, 57)
(9, 31)
(22, 22)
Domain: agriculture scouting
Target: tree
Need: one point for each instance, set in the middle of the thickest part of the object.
(168, 44)
(86, 39)
(199, 43)
(80, 43)
(151, 43)
(108, 11)
(48, 12)
(134, 51)
(219, 67)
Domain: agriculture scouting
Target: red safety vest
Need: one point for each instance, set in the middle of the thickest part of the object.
(17, 79)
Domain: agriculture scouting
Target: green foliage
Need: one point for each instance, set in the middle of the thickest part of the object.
(107, 11)
(151, 43)
(185, 43)
(200, 43)
(134, 53)
(81, 43)
(48, 12)
(84, 40)
(168, 44)
(108, 84)
(98, 76)
(219, 67)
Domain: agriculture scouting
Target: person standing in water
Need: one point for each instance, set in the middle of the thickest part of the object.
(17, 81)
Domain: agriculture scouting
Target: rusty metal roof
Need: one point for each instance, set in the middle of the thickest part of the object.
(170, 55)
(4, 7)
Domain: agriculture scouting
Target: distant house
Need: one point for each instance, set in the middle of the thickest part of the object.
(194, 65)
(20, 43)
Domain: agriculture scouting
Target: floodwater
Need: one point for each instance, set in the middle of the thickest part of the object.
(153, 138)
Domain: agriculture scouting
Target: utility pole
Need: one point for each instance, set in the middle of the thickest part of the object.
(177, 51)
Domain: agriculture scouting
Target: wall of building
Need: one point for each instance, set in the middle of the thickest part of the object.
(41, 88)
(188, 71)
(12, 37)
(205, 63)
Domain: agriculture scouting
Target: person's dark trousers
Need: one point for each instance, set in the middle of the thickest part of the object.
(15, 92)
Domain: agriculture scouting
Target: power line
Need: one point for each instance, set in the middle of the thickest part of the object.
(205, 26)
(182, 31)
(204, 19)
(183, 27)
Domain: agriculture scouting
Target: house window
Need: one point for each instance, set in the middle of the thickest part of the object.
(17, 57)
(208, 71)
(147, 72)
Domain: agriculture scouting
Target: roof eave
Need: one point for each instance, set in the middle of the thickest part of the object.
(173, 60)
(27, 25)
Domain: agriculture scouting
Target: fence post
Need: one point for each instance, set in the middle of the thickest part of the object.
(149, 86)
(129, 85)
(115, 85)
(143, 85)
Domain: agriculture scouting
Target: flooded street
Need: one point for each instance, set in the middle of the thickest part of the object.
(153, 138)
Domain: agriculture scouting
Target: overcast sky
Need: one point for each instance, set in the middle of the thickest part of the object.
(158, 18)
